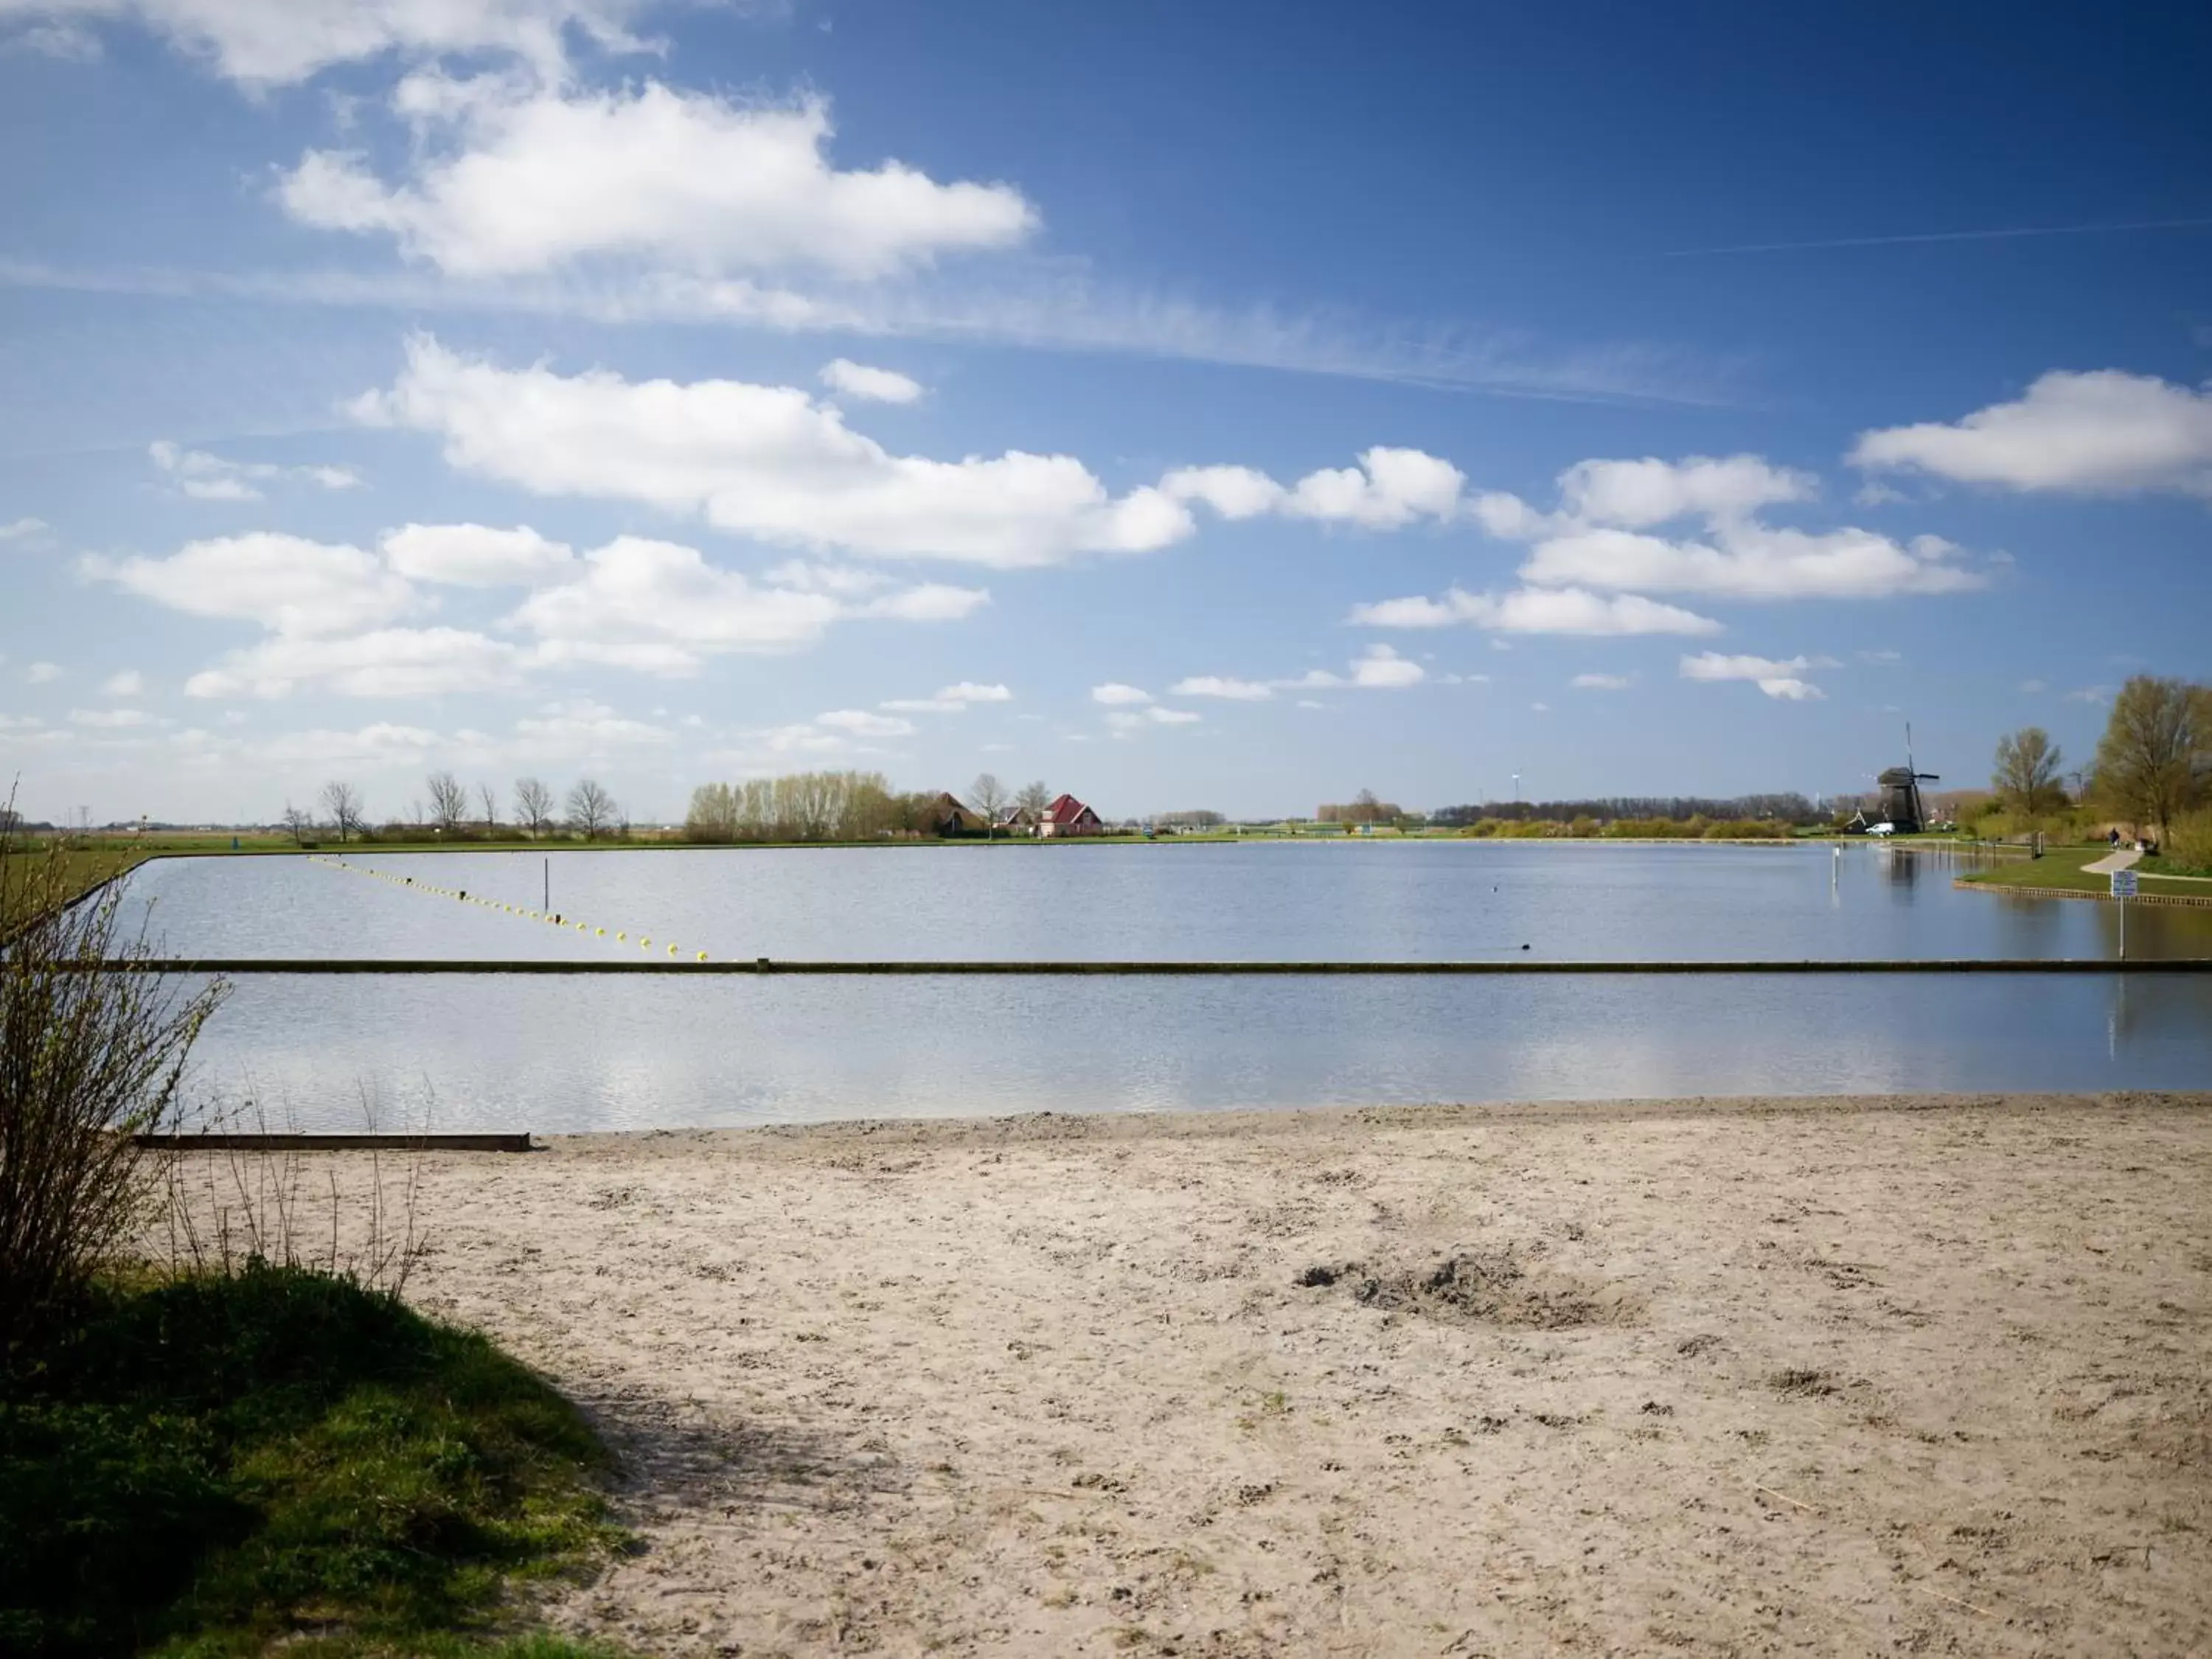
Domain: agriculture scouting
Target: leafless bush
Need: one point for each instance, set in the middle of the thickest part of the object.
(88, 1060)
(229, 1205)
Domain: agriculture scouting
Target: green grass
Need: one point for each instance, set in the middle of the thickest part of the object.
(2060, 867)
(205, 1468)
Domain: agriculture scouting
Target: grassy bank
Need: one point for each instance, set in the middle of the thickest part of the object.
(78, 871)
(2060, 867)
(220, 1466)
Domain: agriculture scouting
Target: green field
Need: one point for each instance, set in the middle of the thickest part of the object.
(2060, 867)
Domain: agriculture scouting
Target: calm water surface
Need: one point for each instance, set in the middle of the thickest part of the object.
(1413, 901)
(603, 1054)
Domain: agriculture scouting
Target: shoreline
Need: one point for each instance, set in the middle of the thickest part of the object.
(1262, 1122)
(1828, 1374)
(2014, 889)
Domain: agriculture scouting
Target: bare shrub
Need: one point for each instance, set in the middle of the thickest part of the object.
(228, 1207)
(89, 1059)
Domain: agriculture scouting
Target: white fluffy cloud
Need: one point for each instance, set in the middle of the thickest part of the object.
(286, 583)
(474, 556)
(1593, 559)
(1776, 679)
(1122, 721)
(1379, 668)
(1382, 669)
(20, 529)
(275, 42)
(1114, 695)
(206, 477)
(580, 729)
(43, 673)
(1597, 538)
(388, 662)
(1222, 685)
(537, 176)
(950, 699)
(2102, 433)
(1745, 560)
(1652, 491)
(1389, 489)
(129, 683)
(651, 606)
(1537, 611)
(863, 723)
(872, 386)
(659, 607)
(765, 461)
(1602, 682)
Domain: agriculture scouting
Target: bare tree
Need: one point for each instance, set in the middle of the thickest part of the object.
(298, 824)
(342, 808)
(449, 801)
(490, 800)
(591, 808)
(533, 805)
(2026, 774)
(1034, 798)
(991, 796)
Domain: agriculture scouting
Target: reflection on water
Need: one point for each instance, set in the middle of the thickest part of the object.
(1426, 900)
(559, 1055)
(588, 1053)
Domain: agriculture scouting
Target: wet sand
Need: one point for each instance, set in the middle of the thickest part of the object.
(1750, 1377)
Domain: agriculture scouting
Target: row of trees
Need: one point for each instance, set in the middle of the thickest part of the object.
(2152, 769)
(589, 811)
(1584, 826)
(2154, 763)
(843, 806)
(1777, 808)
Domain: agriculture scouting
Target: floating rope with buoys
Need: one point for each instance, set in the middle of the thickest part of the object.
(462, 895)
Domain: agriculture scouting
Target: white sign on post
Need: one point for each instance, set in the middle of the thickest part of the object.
(2123, 883)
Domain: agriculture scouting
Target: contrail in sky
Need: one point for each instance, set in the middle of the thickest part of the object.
(1938, 236)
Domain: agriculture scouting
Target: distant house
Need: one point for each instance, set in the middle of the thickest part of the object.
(1018, 821)
(1067, 815)
(947, 817)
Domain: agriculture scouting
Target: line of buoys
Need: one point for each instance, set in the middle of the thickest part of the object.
(553, 919)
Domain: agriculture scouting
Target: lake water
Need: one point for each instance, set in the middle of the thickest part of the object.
(1396, 901)
(585, 1053)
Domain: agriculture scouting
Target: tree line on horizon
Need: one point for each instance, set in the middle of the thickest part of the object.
(1788, 808)
(852, 805)
(455, 812)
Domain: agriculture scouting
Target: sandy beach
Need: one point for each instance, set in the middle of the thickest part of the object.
(1831, 1377)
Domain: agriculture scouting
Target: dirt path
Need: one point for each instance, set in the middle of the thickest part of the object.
(1815, 1378)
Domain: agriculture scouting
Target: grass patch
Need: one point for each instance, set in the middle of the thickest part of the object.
(2060, 867)
(206, 1466)
(76, 872)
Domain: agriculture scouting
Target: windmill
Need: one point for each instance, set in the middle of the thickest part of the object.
(1900, 792)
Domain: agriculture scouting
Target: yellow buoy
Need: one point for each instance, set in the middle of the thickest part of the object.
(601, 931)
(623, 936)
(643, 943)
(702, 956)
(671, 950)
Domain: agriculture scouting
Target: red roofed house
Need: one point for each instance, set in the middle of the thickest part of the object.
(1067, 815)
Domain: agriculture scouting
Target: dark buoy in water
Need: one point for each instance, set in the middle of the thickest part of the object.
(1524, 947)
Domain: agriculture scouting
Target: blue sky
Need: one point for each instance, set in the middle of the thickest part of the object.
(1226, 405)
